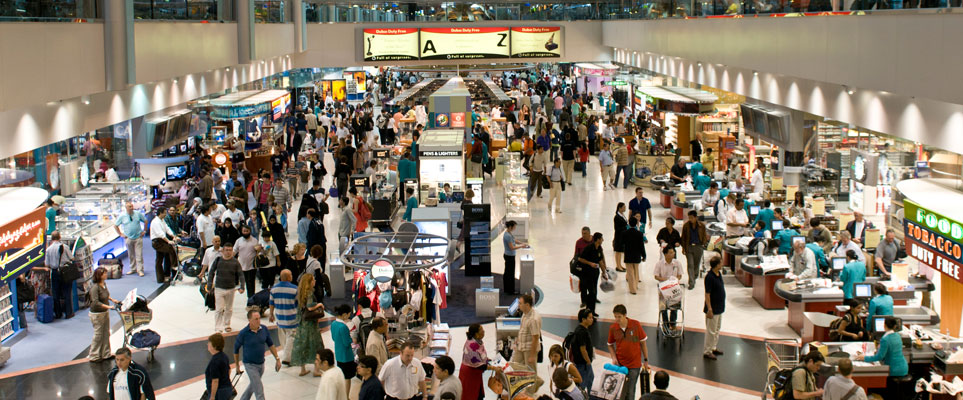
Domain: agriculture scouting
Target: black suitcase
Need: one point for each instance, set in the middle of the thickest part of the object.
(645, 382)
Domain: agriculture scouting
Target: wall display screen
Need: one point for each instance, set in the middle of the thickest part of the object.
(536, 41)
(360, 81)
(390, 44)
(464, 43)
(339, 89)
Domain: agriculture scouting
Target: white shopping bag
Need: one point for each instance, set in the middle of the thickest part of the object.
(671, 291)
(573, 282)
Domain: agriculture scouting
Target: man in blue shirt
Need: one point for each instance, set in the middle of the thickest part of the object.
(641, 206)
(544, 141)
(284, 309)
(766, 215)
(255, 339)
(130, 226)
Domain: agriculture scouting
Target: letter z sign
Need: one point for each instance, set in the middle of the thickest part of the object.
(464, 43)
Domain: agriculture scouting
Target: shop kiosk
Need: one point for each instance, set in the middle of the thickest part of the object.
(440, 161)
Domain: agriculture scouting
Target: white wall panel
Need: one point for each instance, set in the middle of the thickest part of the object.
(272, 40)
(44, 62)
(164, 50)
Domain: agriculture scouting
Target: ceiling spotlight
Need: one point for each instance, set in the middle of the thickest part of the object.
(755, 73)
(86, 102)
(175, 80)
(850, 91)
(699, 64)
(227, 69)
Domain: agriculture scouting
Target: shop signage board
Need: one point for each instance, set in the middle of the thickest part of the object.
(464, 43)
(616, 83)
(22, 244)
(933, 239)
(392, 44)
(458, 120)
(382, 270)
(439, 153)
(240, 112)
(536, 41)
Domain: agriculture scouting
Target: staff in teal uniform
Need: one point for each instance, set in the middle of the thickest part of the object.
(411, 204)
(853, 272)
(51, 215)
(890, 353)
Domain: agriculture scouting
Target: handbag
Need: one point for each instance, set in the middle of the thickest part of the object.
(70, 270)
(545, 182)
(312, 315)
(261, 261)
(575, 267)
(476, 158)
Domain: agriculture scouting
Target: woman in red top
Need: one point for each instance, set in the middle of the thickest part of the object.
(583, 156)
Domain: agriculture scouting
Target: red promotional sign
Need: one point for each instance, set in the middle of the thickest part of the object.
(458, 120)
(21, 244)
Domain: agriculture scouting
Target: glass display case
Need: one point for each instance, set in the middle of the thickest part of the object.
(92, 211)
(516, 195)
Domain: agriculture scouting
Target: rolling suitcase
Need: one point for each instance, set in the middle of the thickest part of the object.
(45, 308)
(645, 382)
(115, 269)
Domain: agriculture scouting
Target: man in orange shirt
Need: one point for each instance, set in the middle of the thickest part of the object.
(627, 346)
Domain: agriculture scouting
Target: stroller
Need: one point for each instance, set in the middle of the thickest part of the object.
(135, 314)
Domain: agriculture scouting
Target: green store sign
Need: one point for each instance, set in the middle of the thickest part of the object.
(616, 83)
(932, 220)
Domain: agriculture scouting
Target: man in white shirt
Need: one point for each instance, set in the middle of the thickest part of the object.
(857, 228)
(711, 196)
(211, 254)
(217, 211)
(803, 261)
(403, 377)
(233, 213)
(845, 244)
(723, 207)
(332, 385)
(163, 240)
(205, 227)
(757, 182)
(556, 185)
(736, 220)
(245, 248)
(538, 164)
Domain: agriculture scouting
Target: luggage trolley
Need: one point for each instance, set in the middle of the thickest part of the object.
(780, 354)
(135, 318)
(671, 298)
(188, 263)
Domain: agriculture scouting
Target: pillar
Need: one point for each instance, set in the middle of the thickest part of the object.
(119, 44)
(245, 31)
(224, 10)
(684, 127)
(300, 26)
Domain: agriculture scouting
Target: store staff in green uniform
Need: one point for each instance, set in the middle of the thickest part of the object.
(882, 304)
(890, 353)
(701, 181)
(766, 214)
(411, 204)
(853, 272)
(785, 238)
(51, 215)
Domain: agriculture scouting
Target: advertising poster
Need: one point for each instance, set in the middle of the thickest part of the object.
(441, 120)
(339, 89)
(463, 43)
(458, 120)
(22, 244)
(536, 41)
(360, 81)
(325, 90)
(390, 44)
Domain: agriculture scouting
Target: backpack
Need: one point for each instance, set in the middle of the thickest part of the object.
(567, 346)
(782, 384)
(315, 232)
(364, 328)
(834, 329)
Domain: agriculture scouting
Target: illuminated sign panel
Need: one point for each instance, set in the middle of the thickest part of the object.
(464, 43)
(390, 44)
(536, 41)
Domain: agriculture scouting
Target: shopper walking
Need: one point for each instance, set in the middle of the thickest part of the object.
(641, 208)
(474, 363)
(665, 269)
(528, 343)
(307, 338)
(623, 162)
(376, 346)
(715, 305)
(224, 277)
(255, 340)
(510, 244)
(583, 348)
(537, 166)
(245, 249)
(569, 148)
(556, 186)
(403, 376)
(100, 306)
(217, 375)
(371, 388)
(633, 243)
(163, 240)
(618, 245)
(56, 256)
(593, 263)
(130, 226)
(205, 227)
(626, 343)
(284, 310)
(128, 379)
(694, 241)
(331, 386)
(606, 164)
(343, 351)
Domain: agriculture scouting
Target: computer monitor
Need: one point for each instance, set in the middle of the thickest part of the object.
(754, 210)
(801, 239)
(863, 290)
(688, 165)
(777, 225)
(176, 172)
(513, 309)
(838, 263)
(457, 197)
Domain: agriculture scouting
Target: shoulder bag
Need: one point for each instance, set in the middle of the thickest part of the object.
(70, 270)
(312, 315)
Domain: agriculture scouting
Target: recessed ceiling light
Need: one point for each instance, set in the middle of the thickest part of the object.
(755, 73)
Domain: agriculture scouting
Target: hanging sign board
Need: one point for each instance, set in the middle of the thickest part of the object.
(22, 244)
(933, 239)
(382, 270)
(463, 43)
(390, 44)
(536, 41)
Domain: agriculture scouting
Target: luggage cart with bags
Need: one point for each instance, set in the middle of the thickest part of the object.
(135, 314)
(188, 262)
(781, 354)
(671, 300)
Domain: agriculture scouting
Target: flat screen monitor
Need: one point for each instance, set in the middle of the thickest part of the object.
(688, 165)
(801, 239)
(879, 323)
(176, 172)
(838, 263)
(754, 210)
(777, 225)
(191, 142)
(863, 290)
(457, 197)
(160, 133)
(513, 309)
(183, 148)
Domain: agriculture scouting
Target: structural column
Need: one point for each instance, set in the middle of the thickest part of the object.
(119, 44)
(300, 26)
(245, 31)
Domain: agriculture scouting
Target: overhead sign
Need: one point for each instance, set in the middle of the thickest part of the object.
(22, 244)
(616, 83)
(933, 239)
(390, 44)
(536, 41)
(382, 270)
(439, 153)
(463, 43)
(239, 112)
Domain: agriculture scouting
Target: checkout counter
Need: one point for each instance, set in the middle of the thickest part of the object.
(763, 275)
(732, 252)
(803, 296)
